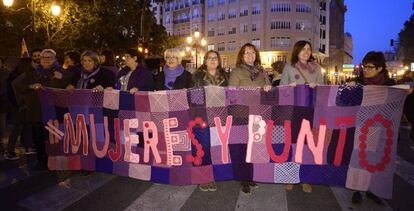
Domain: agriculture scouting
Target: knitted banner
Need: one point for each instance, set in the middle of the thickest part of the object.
(340, 136)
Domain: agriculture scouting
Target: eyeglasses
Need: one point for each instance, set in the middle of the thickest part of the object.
(212, 58)
(170, 58)
(249, 53)
(46, 57)
(368, 66)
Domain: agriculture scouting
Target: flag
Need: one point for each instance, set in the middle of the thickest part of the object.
(24, 53)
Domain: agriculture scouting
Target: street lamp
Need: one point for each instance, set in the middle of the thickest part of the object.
(196, 42)
(55, 9)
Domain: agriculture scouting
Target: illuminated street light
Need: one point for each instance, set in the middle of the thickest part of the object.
(195, 42)
(55, 9)
(8, 3)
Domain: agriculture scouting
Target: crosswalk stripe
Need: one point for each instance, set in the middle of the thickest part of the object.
(57, 198)
(162, 197)
(343, 197)
(265, 197)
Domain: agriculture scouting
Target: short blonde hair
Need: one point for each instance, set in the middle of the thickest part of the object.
(91, 54)
(174, 52)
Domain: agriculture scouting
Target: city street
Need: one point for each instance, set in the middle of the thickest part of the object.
(23, 189)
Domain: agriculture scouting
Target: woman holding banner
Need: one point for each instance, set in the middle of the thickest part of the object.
(173, 76)
(249, 73)
(302, 70)
(374, 73)
(210, 74)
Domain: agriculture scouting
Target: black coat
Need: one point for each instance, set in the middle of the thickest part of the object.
(184, 81)
(104, 77)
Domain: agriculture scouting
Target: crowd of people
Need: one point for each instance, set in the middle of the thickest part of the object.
(91, 70)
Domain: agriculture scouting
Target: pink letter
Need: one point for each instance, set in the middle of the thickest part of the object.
(69, 132)
(81, 134)
(99, 153)
(286, 148)
(224, 136)
(306, 132)
(174, 160)
(342, 136)
(116, 155)
(254, 136)
(151, 143)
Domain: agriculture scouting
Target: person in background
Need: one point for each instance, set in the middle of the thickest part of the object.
(173, 76)
(134, 76)
(249, 73)
(210, 73)
(277, 70)
(107, 60)
(374, 73)
(71, 62)
(5, 104)
(92, 75)
(35, 55)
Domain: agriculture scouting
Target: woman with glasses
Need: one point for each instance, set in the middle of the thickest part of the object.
(303, 68)
(210, 73)
(374, 73)
(173, 76)
(249, 73)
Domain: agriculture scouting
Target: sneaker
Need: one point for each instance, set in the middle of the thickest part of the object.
(10, 156)
(289, 186)
(212, 186)
(203, 187)
(374, 198)
(253, 185)
(356, 197)
(245, 188)
(306, 188)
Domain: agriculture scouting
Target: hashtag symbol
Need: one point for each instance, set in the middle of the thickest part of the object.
(54, 133)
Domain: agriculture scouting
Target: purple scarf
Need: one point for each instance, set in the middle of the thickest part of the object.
(171, 75)
(85, 78)
(309, 66)
(254, 71)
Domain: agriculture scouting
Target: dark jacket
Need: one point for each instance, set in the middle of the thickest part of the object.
(47, 78)
(201, 78)
(141, 78)
(4, 102)
(104, 77)
(184, 81)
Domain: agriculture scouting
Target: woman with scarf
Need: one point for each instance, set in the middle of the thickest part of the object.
(374, 73)
(134, 77)
(92, 76)
(173, 76)
(302, 70)
(249, 73)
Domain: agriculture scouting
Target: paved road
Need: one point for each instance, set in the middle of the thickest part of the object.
(24, 189)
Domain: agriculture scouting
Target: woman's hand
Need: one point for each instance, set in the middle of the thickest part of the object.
(99, 88)
(35, 86)
(133, 90)
(57, 75)
(267, 88)
(70, 87)
(312, 85)
(109, 88)
(293, 84)
(351, 83)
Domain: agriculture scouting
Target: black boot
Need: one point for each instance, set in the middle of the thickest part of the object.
(356, 197)
(374, 198)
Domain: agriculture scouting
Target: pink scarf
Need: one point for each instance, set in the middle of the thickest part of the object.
(309, 66)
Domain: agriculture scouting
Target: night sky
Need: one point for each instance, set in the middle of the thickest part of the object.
(373, 23)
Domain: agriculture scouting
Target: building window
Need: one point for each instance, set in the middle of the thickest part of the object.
(210, 3)
(221, 16)
(221, 32)
(302, 25)
(244, 12)
(279, 42)
(243, 27)
(221, 46)
(254, 27)
(232, 30)
(256, 9)
(232, 13)
(256, 42)
(196, 13)
(211, 17)
(221, 2)
(280, 25)
(232, 1)
(231, 46)
(210, 47)
(280, 7)
(323, 6)
(210, 32)
(304, 8)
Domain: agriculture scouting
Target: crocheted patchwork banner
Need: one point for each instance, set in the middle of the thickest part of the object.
(340, 136)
